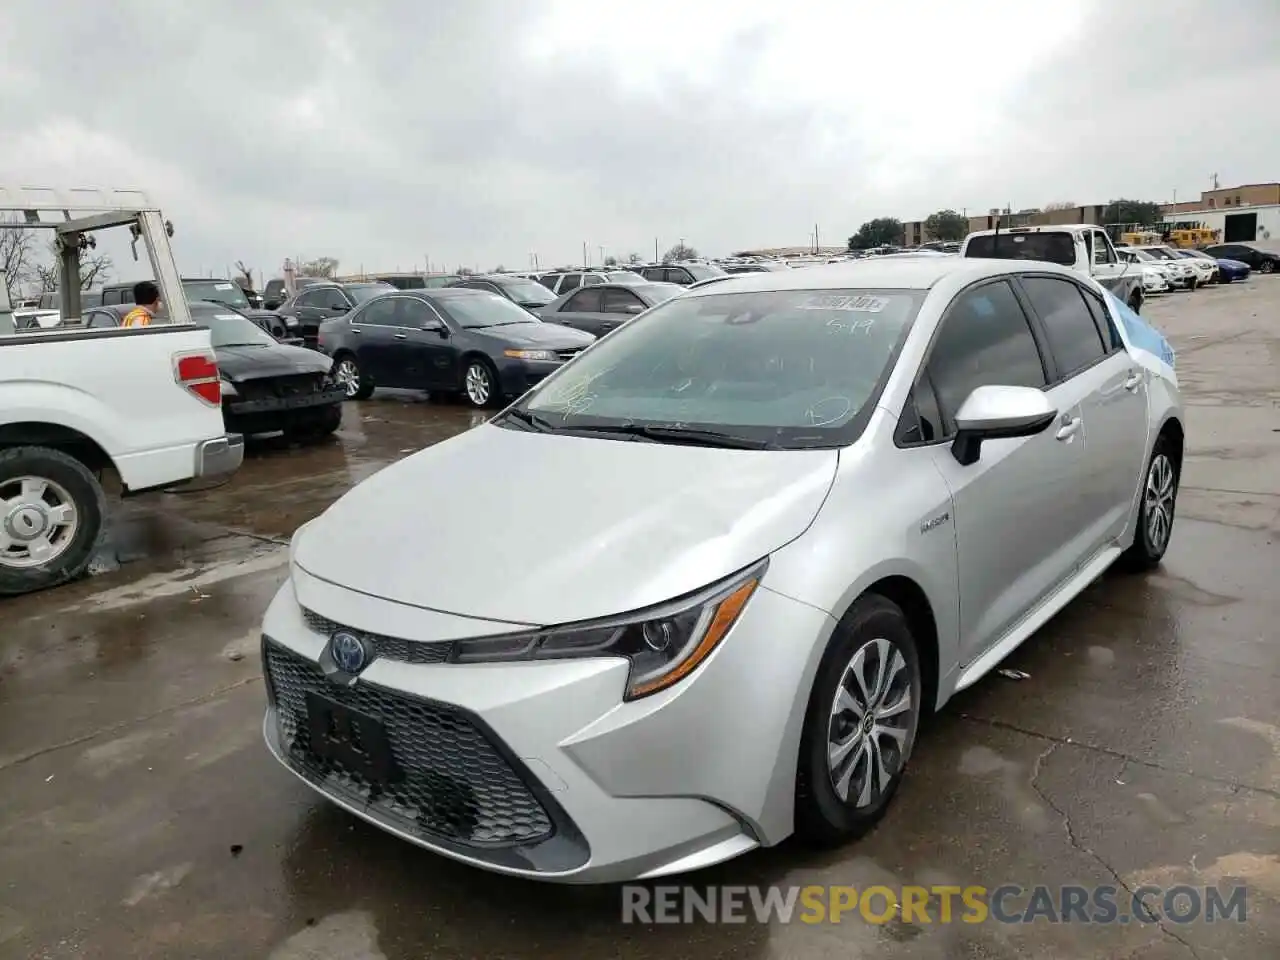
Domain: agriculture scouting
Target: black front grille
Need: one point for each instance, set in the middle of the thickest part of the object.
(281, 388)
(388, 648)
(457, 784)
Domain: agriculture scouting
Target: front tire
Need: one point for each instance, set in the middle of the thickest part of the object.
(1159, 496)
(347, 371)
(861, 724)
(1268, 266)
(480, 384)
(51, 518)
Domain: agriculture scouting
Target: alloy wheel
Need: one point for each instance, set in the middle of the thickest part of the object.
(1158, 502)
(871, 716)
(348, 375)
(478, 385)
(38, 522)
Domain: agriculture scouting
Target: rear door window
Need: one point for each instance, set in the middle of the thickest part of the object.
(1073, 335)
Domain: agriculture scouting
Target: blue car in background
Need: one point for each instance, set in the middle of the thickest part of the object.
(1228, 270)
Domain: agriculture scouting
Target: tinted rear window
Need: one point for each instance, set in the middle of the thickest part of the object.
(1043, 247)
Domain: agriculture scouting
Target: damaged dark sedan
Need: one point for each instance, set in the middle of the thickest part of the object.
(267, 386)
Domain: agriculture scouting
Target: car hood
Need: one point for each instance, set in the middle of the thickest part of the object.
(1232, 264)
(531, 528)
(268, 360)
(547, 336)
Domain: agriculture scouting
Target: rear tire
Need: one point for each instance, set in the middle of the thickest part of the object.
(1159, 496)
(837, 797)
(49, 502)
(1268, 266)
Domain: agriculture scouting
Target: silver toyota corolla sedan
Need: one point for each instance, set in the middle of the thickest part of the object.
(693, 592)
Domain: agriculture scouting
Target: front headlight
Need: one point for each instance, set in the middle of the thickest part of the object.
(530, 354)
(664, 644)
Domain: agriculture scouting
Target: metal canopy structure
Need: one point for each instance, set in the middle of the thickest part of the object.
(84, 210)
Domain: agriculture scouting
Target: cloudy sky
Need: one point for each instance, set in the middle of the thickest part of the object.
(387, 132)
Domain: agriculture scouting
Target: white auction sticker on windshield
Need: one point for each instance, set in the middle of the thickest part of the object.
(222, 286)
(862, 304)
(226, 316)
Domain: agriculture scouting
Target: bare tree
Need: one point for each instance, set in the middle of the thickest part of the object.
(1061, 205)
(499, 269)
(93, 270)
(610, 261)
(17, 256)
(681, 251)
(634, 258)
(246, 275)
(326, 267)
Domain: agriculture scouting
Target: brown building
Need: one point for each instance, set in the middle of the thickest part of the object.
(1246, 195)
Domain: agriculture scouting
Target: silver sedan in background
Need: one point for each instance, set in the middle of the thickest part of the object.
(602, 309)
(693, 592)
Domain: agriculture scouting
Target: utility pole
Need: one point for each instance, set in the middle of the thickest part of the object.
(585, 261)
(601, 249)
(816, 244)
(655, 250)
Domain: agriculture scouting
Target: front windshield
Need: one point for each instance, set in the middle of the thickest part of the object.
(795, 368)
(222, 291)
(227, 329)
(526, 291)
(473, 311)
(360, 292)
(1057, 248)
(1143, 256)
(1161, 254)
(616, 275)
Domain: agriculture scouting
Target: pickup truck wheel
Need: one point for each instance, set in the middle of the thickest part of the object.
(51, 518)
(356, 382)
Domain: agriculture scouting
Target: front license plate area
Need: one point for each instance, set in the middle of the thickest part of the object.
(354, 740)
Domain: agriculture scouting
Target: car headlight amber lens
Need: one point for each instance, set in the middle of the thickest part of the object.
(664, 644)
(530, 354)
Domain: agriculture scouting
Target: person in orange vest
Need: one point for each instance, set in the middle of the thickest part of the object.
(147, 297)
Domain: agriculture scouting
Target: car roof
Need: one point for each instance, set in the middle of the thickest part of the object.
(445, 293)
(877, 273)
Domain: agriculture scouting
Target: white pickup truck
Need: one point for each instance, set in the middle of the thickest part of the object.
(145, 402)
(1084, 247)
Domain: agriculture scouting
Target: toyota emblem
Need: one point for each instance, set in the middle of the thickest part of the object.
(349, 651)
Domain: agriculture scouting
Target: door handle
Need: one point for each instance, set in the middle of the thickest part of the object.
(1133, 381)
(355, 331)
(402, 336)
(1070, 427)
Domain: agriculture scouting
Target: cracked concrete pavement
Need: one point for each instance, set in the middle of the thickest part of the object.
(141, 816)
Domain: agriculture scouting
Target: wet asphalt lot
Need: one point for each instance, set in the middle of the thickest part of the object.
(141, 816)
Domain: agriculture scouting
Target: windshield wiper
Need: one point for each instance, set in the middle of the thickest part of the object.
(541, 424)
(692, 436)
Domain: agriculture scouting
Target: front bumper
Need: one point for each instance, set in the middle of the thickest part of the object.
(220, 456)
(517, 376)
(540, 769)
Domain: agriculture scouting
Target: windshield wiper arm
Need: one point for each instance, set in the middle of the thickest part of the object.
(541, 424)
(690, 435)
